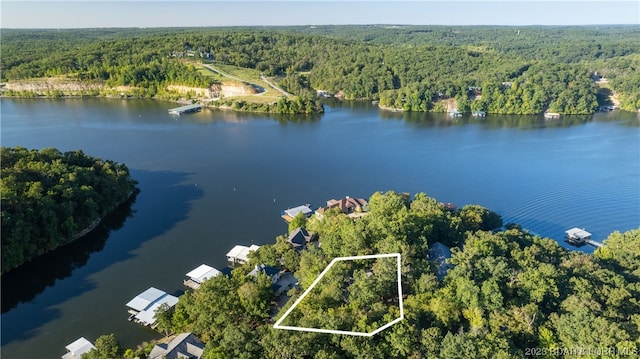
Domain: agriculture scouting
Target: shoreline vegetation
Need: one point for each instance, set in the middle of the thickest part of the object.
(500, 291)
(50, 199)
(286, 70)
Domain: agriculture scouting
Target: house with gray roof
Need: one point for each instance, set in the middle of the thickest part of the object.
(271, 272)
(299, 238)
(184, 345)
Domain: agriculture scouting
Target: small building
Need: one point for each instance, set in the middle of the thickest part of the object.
(291, 213)
(197, 276)
(144, 306)
(299, 238)
(240, 254)
(577, 236)
(77, 348)
(271, 272)
(551, 115)
(184, 345)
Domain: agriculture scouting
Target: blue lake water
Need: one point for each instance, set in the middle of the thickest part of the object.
(210, 180)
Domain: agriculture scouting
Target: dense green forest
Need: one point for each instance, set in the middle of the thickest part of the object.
(507, 292)
(50, 197)
(514, 70)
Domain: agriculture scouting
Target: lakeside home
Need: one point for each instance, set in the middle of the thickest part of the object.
(299, 238)
(272, 272)
(184, 345)
(353, 207)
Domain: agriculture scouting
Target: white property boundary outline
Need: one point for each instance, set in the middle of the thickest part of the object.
(332, 331)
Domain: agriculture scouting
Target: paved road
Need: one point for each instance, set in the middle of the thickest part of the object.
(274, 86)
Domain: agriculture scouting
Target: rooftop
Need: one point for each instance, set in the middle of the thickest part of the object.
(77, 348)
(292, 212)
(578, 233)
(202, 273)
(146, 317)
(144, 299)
(241, 253)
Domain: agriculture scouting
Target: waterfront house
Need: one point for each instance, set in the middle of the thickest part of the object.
(577, 236)
(77, 348)
(197, 276)
(299, 238)
(240, 254)
(184, 345)
(144, 306)
(291, 213)
(272, 272)
(348, 205)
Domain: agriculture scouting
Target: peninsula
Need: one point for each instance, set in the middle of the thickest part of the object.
(50, 198)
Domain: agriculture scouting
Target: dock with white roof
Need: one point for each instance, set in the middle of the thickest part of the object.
(196, 277)
(291, 213)
(144, 306)
(579, 236)
(77, 348)
(240, 254)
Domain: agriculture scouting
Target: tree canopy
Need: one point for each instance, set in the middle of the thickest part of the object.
(49, 198)
(507, 291)
(523, 70)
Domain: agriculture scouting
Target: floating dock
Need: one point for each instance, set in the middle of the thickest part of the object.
(578, 237)
(184, 109)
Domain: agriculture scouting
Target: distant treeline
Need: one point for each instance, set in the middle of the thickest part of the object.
(50, 197)
(514, 70)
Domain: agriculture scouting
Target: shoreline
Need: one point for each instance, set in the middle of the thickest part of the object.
(98, 220)
(206, 104)
(85, 231)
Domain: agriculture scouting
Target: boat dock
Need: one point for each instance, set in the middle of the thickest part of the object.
(289, 214)
(185, 109)
(578, 236)
(593, 243)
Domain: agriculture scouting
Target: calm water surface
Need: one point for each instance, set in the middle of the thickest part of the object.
(214, 179)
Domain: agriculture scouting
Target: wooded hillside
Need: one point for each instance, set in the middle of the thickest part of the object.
(49, 198)
(508, 294)
(523, 70)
